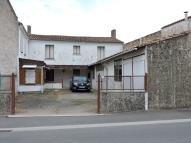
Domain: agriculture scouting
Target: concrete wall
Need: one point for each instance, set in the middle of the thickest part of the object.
(169, 73)
(63, 52)
(8, 38)
(122, 102)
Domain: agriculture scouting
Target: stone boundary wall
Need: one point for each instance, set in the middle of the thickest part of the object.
(5, 102)
(122, 102)
(169, 73)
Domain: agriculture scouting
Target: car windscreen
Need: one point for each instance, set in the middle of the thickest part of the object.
(80, 78)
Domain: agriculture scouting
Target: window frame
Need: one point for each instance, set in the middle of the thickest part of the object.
(100, 52)
(26, 77)
(48, 57)
(76, 50)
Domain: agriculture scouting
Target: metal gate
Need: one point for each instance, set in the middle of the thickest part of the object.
(7, 94)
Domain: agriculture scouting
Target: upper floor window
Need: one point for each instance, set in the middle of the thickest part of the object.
(49, 51)
(76, 50)
(118, 70)
(100, 52)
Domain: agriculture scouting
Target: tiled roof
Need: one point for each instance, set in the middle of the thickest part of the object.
(140, 46)
(74, 38)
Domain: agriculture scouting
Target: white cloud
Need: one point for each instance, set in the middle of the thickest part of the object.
(131, 19)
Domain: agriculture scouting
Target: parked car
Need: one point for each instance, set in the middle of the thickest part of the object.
(80, 83)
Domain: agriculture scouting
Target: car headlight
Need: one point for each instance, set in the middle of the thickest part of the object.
(75, 83)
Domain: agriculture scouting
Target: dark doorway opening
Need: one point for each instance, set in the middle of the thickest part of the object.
(50, 75)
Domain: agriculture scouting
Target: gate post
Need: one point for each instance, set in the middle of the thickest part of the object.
(12, 93)
(98, 93)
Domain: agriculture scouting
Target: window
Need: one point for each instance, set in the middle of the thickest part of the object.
(76, 71)
(118, 70)
(49, 51)
(100, 52)
(76, 50)
(30, 76)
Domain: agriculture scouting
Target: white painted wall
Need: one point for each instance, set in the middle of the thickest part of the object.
(23, 43)
(63, 52)
(29, 88)
(139, 69)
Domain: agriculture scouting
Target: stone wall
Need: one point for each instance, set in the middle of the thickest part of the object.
(5, 100)
(122, 102)
(169, 73)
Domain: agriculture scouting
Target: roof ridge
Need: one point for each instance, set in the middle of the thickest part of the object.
(74, 38)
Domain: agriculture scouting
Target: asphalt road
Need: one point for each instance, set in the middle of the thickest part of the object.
(152, 133)
(143, 127)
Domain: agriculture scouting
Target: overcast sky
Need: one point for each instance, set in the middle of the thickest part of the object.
(131, 18)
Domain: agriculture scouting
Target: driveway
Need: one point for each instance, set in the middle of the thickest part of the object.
(56, 102)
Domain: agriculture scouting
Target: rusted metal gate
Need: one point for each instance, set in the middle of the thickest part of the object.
(7, 94)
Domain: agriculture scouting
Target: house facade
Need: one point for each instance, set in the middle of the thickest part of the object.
(59, 58)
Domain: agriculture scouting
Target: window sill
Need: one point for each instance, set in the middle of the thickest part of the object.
(49, 59)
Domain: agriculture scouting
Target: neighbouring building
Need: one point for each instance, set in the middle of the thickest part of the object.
(8, 53)
(157, 64)
(49, 61)
(8, 38)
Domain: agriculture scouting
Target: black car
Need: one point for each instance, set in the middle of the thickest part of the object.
(79, 83)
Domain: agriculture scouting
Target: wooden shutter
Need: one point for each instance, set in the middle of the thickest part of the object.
(22, 75)
(38, 76)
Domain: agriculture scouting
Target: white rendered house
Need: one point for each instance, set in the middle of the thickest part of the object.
(49, 61)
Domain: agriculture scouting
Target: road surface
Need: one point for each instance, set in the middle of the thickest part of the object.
(170, 128)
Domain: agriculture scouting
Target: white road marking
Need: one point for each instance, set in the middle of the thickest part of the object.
(83, 126)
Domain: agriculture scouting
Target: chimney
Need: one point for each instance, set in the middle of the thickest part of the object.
(186, 15)
(113, 33)
(28, 29)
